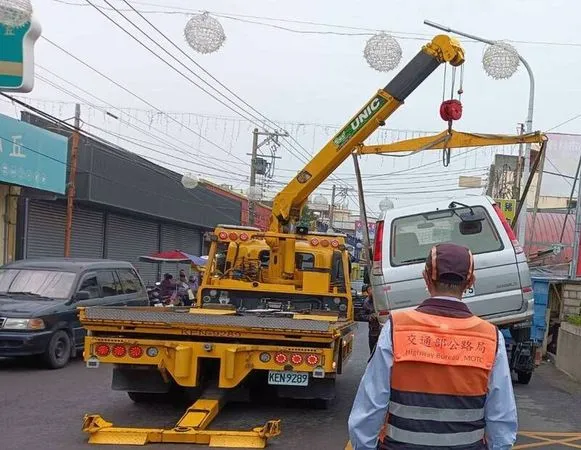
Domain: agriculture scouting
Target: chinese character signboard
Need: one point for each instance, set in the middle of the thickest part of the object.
(508, 207)
(32, 156)
(359, 230)
(17, 56)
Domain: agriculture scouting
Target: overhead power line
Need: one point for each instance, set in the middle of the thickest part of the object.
(263, 21)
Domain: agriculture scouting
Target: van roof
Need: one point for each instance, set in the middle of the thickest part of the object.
(68, 264)
(472, 200)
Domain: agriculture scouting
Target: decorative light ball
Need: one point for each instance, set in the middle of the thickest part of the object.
(15, 13)
(320, 203)
(254, 193)
(204, 33)
(500, 61)
(190, 181)
(385, 205)
(382, 52)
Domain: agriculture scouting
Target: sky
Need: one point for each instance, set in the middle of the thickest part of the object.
(308, 83)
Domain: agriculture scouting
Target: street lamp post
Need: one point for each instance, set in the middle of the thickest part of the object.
(528, 123)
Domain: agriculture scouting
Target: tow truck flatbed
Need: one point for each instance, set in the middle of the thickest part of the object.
(173, 322)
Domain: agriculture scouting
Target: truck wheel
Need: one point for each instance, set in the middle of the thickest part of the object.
(58, 351)
(524, 377)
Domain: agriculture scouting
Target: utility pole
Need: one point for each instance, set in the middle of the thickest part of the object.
(72, 177)
(252, 193)
(519, 165)
(332, 209)
(271, 137)
(363, 214)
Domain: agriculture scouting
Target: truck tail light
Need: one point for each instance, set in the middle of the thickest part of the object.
(119, 351)
(102, 350)
(335, 243)
(378, 249)
(314, 242)
(223, 235)
(296, 359)
(513, 239)
(281, 358)
(233, 236)
(243, 237)
(313, 360)
(135, 351)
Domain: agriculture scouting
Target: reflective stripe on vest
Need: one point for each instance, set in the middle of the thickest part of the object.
(439, 381)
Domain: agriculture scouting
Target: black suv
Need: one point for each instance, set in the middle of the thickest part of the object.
(39, 300)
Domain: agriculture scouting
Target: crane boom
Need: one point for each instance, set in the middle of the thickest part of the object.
(289, 202)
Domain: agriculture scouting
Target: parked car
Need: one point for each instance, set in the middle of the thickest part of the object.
(39, 301)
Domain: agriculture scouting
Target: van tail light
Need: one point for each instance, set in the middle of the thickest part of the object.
(515, 243)
(377, 250)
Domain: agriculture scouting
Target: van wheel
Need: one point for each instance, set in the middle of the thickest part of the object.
(524, 377)
(58, 352)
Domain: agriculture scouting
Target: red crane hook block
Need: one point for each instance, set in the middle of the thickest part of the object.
(451, 110)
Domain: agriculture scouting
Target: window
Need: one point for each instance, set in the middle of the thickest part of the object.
(109, 284)
(414, 236)
(45, 283)
(91, 286)
(129, 281)
(304, 261)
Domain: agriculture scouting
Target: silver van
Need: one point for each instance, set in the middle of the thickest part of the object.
(502, 292)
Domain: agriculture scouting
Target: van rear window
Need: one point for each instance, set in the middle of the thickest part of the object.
(414, 236)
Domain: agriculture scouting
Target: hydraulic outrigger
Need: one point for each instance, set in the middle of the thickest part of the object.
(178, 359)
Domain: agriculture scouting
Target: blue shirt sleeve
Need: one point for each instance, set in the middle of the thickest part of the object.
(500, 408)
(372, 399)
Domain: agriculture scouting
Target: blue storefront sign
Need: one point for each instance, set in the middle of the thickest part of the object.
(32, 156)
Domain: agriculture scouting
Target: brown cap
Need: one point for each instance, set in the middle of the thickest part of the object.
(450, 263)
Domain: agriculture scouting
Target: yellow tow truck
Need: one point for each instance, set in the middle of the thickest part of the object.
(274, 312)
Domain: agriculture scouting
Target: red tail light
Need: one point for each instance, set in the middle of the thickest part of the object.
(135, 351)
(233, 236)
(119, 351)
(334, 243)
(280, 358)
(296, 359)
(508, 229)
(223, 235)
(243, 237)
(377, 250)
(312, 360)
(102, 350)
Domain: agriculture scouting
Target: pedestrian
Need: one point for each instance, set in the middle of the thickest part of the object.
(370, 316)
(439, 376)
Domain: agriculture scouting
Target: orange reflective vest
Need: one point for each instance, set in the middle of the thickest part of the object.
(439, 381)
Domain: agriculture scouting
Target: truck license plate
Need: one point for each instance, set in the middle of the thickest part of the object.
(288, 378)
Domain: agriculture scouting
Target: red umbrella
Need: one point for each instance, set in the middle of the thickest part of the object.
(171, 256)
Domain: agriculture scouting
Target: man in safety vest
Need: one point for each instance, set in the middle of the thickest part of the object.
(439, 376)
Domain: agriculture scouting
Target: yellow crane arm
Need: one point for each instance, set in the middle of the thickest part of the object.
(287, 205)
(452, 139)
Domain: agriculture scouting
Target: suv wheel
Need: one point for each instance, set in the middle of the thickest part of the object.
(58, 352)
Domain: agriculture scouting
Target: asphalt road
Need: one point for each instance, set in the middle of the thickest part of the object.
(42, 409)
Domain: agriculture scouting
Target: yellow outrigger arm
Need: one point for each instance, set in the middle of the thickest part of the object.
(452, 139)
(190, 429)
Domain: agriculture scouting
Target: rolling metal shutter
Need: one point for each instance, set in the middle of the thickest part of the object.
(129, 238)
(45, 232)
(175, 237)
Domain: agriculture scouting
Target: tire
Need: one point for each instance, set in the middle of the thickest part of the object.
(58, 351)
(524, 377)
(146, 397)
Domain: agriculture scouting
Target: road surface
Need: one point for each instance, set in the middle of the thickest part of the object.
(43, 410)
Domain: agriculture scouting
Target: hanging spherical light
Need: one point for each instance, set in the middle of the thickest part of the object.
(204, 33)
(15, 13)
(385, 204)
(320, 203)
(190, 181)
(500, 61)
(382, 52)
